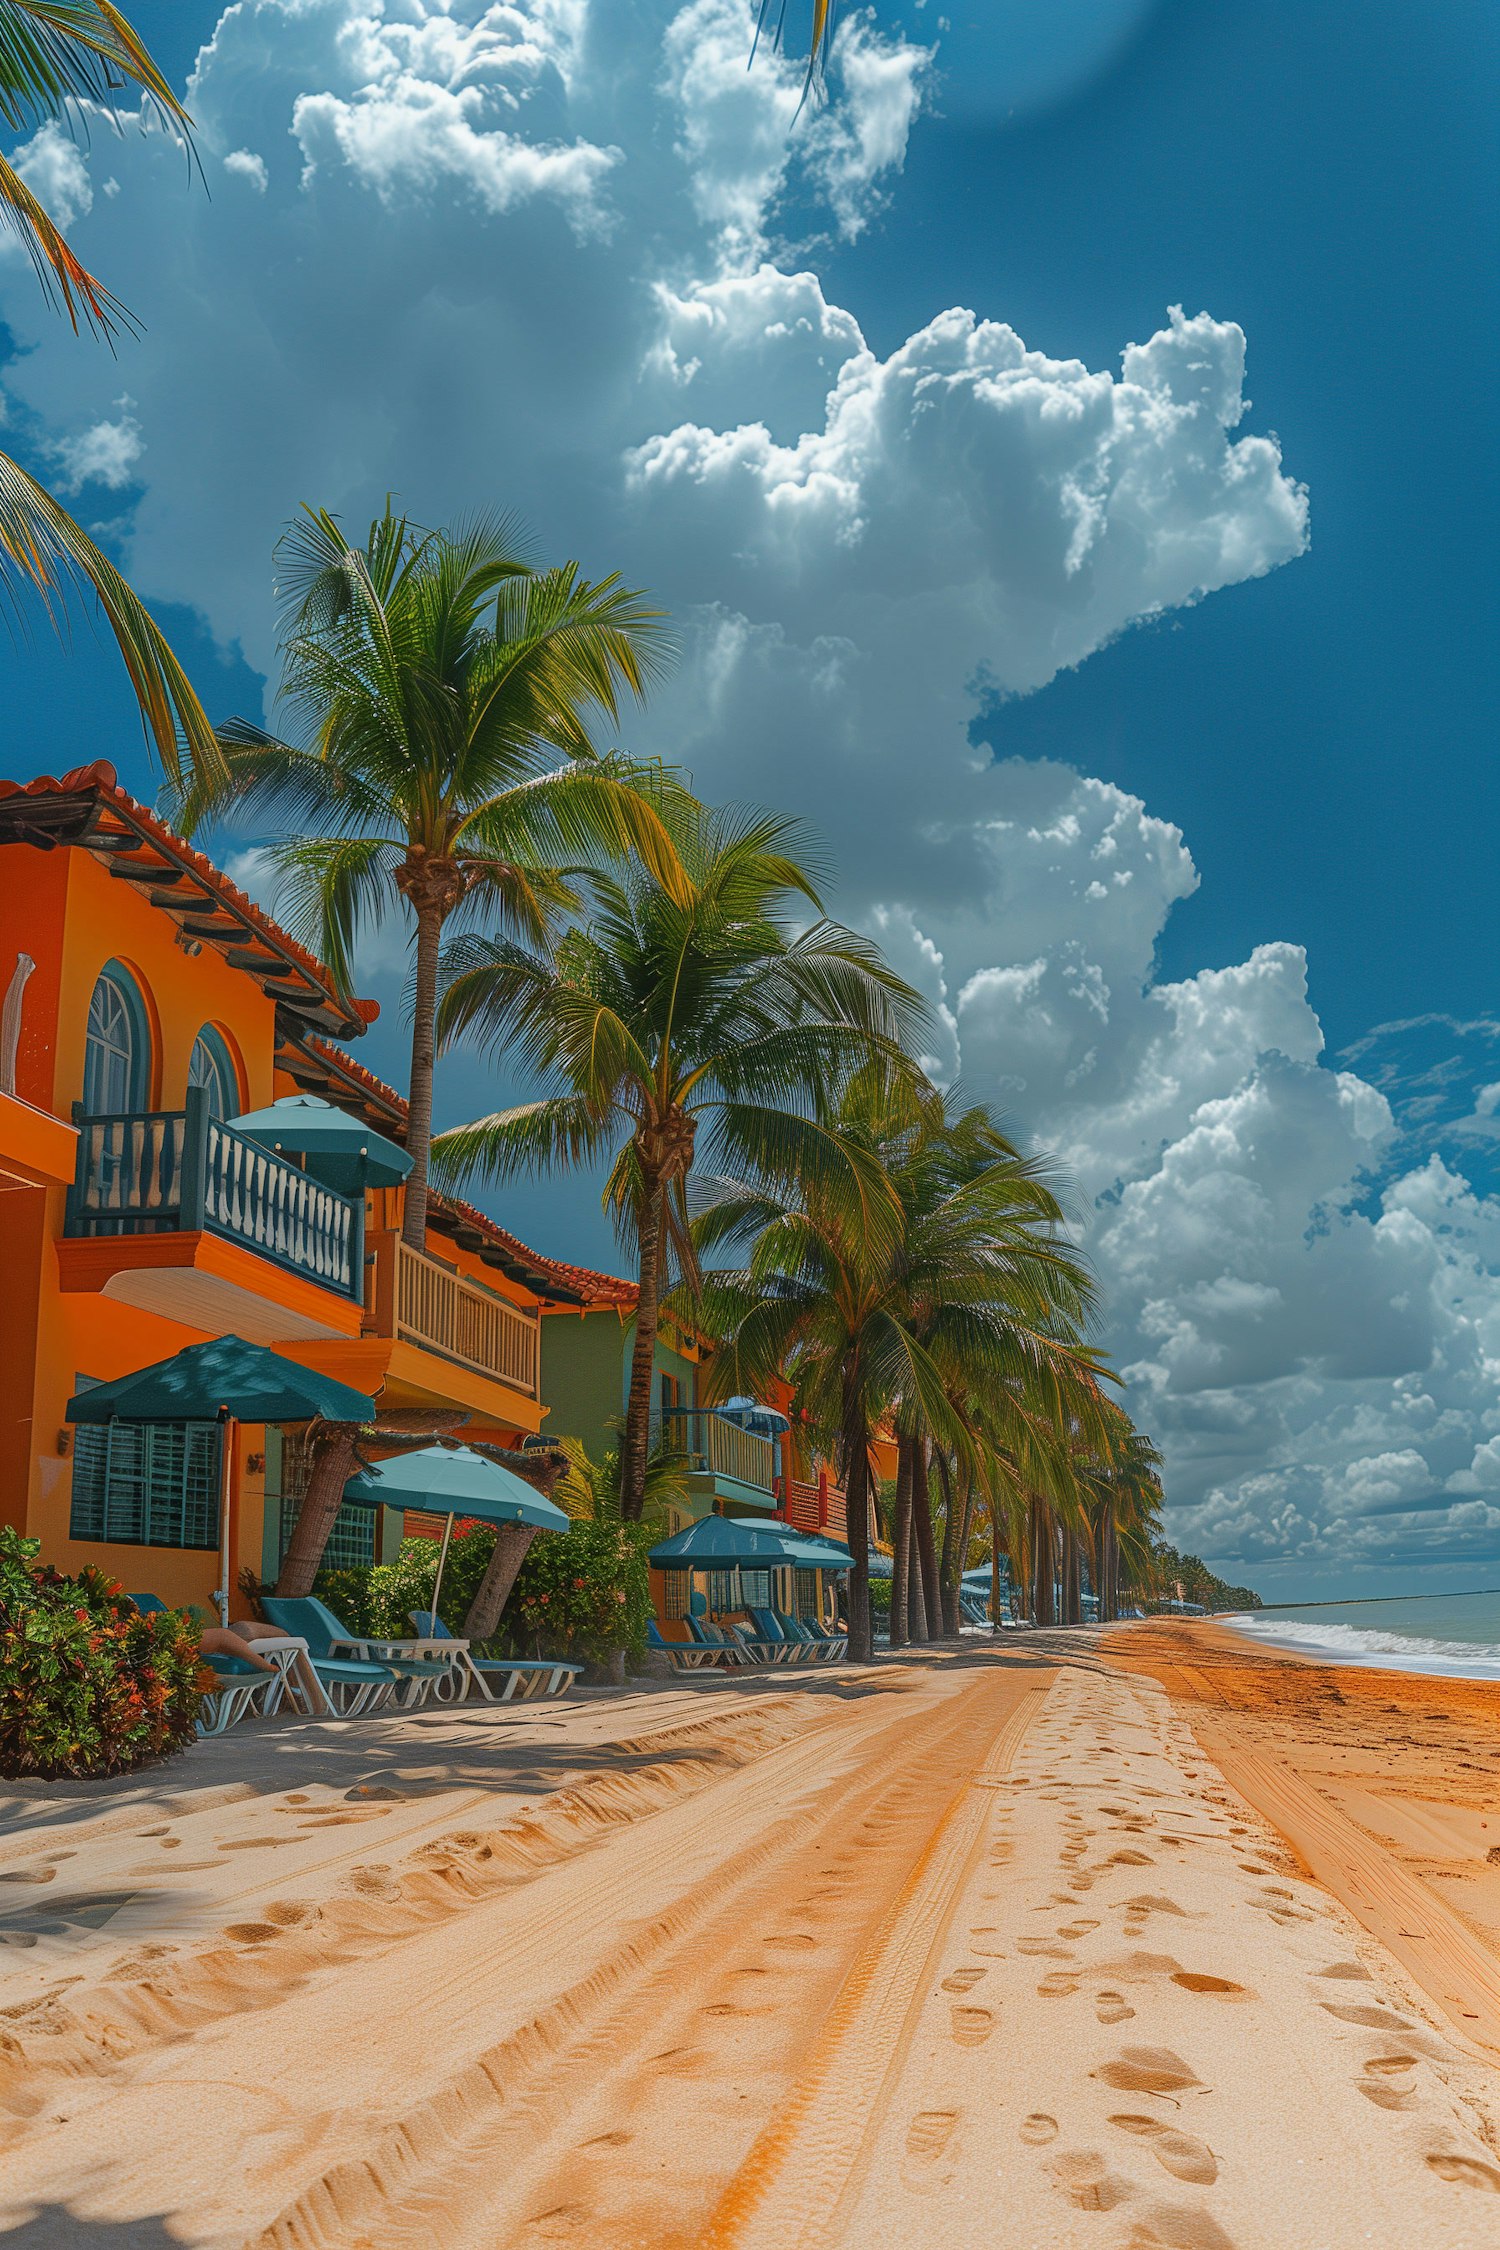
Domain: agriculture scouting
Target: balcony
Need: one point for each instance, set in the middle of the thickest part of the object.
(717, 1448)
(418, 1300)
(176, 1212)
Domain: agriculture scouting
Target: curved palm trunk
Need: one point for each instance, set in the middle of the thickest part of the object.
(855, 1446)
(635, 1453)
(512, 1541)
(331, 1467)
(924, 1544)
(423, 1061)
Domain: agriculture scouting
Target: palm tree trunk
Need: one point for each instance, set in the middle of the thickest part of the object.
(925, 1544)
(995, 1564)
(1043, 1565)
(511, 1543)
(955, 1548)
(423, 1057)
(1072, 1603)
(330, 1469)
(901, 1548)
(855, 1446)
(636, 1450)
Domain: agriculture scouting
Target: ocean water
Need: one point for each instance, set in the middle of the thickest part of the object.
(1456, 1635)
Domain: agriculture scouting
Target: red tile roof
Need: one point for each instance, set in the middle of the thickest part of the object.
(579, 1283)
(87, 807)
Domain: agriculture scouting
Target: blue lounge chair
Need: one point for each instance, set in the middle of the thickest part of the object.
(523, 1677)
(683, 1656)
(772, 1628)
(354, 1688)
(241, 1687)
(725, 1647)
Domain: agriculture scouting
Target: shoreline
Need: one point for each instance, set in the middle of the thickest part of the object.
(1448, 1659)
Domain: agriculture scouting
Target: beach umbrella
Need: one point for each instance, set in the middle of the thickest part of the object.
(226, 1381)
(337, 1149)
(749, 1414)
(453, 1481)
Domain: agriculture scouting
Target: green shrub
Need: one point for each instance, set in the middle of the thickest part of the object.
(88, 1685)
(880, 1596)
(580, 1593)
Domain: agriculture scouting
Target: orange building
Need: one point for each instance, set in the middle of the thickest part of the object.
(147, 1002)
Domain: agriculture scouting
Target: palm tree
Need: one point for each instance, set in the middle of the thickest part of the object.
(54, 56)
(972, 1290)
(823, 14)
(445, 686)
(667, 1018)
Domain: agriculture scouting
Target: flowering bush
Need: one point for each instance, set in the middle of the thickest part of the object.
(88, 1685)
(582, 1593)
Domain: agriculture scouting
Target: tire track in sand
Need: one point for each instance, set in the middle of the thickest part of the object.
(788, 2192)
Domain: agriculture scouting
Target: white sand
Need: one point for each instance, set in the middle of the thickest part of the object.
(983, 1953)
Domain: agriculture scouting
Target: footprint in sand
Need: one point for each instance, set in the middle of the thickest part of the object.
(1181, 2154)
(964, 1980)
(1077, 1929)
(971, 2027)
(1060, 1985)
(1112, 2007)
(1038, 2129)
(1192, 1981)
(1148, 2070)
(1177, 2226)
(1086, 2180)
(1350, 1970)
(1465, 2171)
(927, 2137)
(1369, 2019)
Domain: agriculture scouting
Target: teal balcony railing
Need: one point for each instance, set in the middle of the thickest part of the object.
(183, 1171)
(710, 1441)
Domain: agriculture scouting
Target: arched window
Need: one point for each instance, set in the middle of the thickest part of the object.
(117, 1049)
(212, 1067)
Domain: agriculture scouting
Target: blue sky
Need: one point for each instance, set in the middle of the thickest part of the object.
(1288, 1162)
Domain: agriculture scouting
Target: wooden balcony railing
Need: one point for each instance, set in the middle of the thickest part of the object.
(186, 1172)
(425, 1302)
(816, 1507)
(710, 1441)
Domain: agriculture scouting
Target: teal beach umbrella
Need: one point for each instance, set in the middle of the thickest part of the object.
(335, 1147)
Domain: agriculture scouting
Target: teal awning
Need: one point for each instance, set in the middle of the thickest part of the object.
(730, 1542)
(245, 1380)
(717, 1544)
(454, 1481)
(338, 1150)
(804, 1550)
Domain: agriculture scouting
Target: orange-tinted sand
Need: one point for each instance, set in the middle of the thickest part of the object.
(983, 1950)
(1386, 1784)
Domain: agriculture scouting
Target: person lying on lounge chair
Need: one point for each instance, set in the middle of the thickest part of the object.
(250, 1629)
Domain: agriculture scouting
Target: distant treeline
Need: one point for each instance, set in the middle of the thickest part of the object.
(1170, 1576)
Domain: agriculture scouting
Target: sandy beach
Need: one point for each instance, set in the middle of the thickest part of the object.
(1159, 1942)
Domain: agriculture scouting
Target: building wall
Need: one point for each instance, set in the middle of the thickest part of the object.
(72, 916)
(586, 1375)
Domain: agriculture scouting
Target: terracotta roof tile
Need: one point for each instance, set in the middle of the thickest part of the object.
(98, 781)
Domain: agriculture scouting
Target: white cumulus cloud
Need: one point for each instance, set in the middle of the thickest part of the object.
(563, 255)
